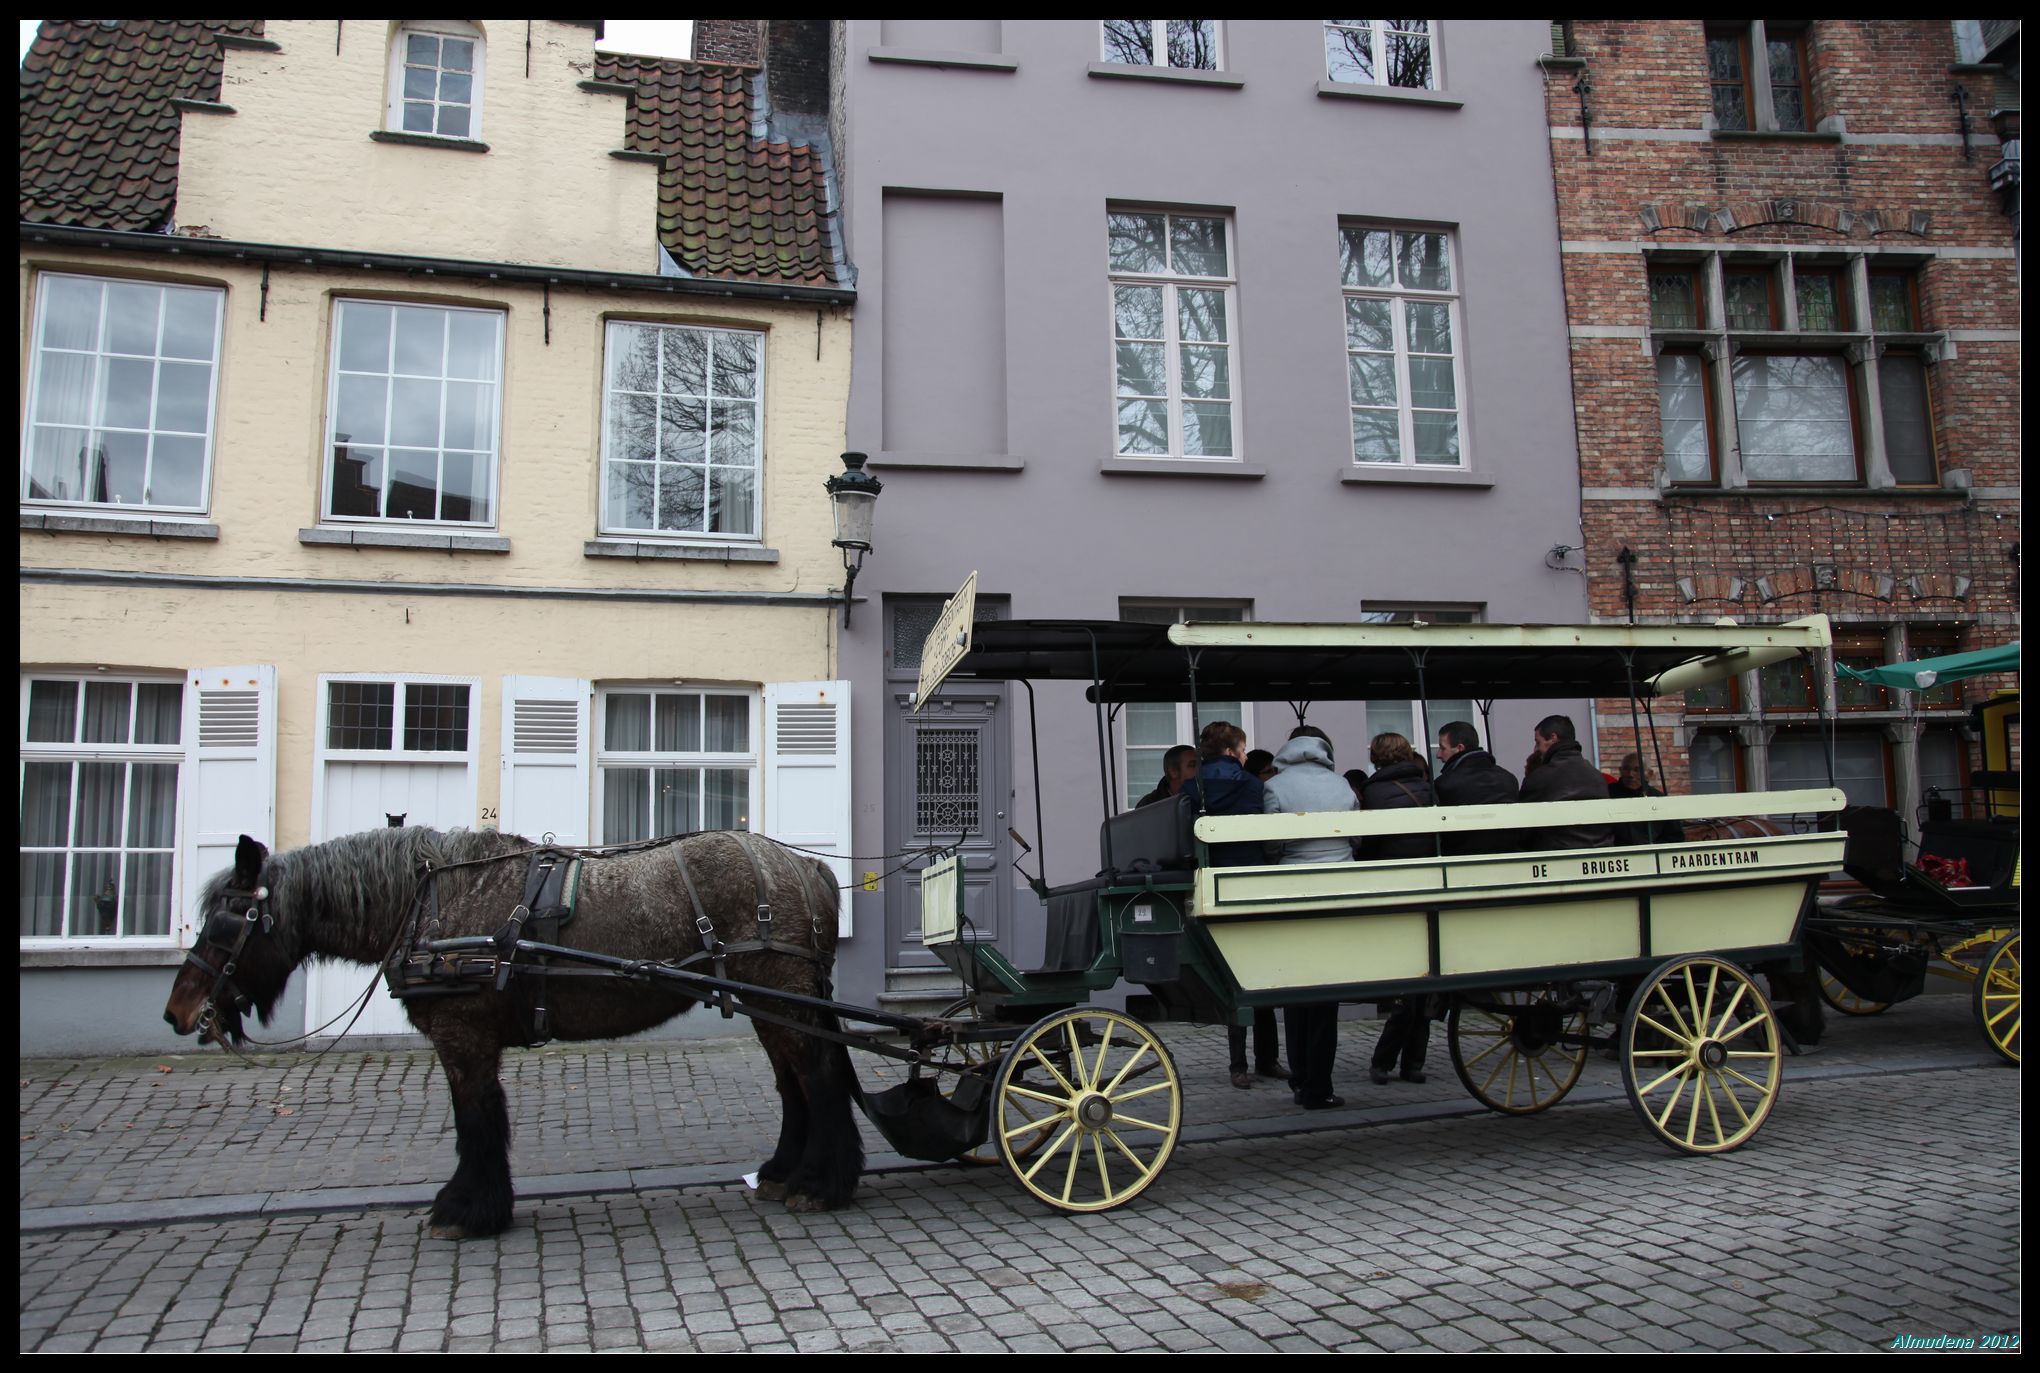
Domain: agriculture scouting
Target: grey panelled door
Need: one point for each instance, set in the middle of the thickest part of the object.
(948, 781)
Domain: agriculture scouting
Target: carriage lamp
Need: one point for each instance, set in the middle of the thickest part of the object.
(852, 497)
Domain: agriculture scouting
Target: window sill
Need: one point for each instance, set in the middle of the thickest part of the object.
(1126, 72)
(925, 57)
(99, 956)
(1399, 95)
(1182, 467)
(51, 523)
(633, 155)
(686, 552)
(1355, 474)
(201, 106)
(621, 88)
(1764, 489)
(441, 542)
(1776, 135)
(429, 140)
(957, 462)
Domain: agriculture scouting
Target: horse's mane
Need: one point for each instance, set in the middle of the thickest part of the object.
(358, 885)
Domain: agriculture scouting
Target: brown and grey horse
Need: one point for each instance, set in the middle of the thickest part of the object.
(355, 897)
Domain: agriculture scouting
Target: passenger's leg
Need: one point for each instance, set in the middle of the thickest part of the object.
(1295, 1029)
(1416, 1040)
(1236, 1040)
(1267, 1046)
(1389, 1046)
(1325, 1045)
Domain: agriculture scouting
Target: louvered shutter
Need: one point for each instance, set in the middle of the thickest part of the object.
(229, 774)
(807, 774)
(545, 758)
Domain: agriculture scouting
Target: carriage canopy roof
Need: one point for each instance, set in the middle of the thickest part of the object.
(1359, 662)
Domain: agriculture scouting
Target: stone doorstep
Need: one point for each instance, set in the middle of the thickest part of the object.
(556, 1186)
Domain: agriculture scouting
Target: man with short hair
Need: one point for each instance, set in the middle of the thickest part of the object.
(1634, 785)
(1179, 765)
(1565, 775)
(1468, 775)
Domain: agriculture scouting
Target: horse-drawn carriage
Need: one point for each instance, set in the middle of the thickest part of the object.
(1082, 1102)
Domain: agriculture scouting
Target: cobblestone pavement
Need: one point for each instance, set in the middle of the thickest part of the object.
(115, 1133)
(1870, 1207)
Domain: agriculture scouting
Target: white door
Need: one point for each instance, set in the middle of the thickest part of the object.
(429, 780)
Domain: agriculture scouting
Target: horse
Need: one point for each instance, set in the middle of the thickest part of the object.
(359, 898)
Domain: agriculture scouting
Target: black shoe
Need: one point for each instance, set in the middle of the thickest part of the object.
(1280, 1070)
(1330, 1103)
(1377, 1076)
(1413, 1077)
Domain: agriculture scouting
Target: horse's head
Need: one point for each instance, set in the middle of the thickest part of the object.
(239, 962)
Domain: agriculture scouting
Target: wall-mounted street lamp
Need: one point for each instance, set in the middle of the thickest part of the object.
(853, 497)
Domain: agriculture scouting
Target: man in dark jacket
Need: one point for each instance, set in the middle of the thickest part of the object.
(1634, 785)
(1565, 775)
(1179, 765)
(1399, 783)
(1470, 776)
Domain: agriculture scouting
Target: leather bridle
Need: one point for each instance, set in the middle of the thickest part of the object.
(222, 977)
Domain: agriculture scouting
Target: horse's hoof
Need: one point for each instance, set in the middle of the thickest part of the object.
(447, 1232)
(768, 1190)
(800, 1202)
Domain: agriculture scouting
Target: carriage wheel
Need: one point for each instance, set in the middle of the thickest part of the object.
(1965, 958)
(1521, 1055)
(1997, 998)
(1842, 999)
(982, 1056)
(1108, 1090)
(1700, 1055)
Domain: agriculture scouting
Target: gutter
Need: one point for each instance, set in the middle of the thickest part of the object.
(118, 240)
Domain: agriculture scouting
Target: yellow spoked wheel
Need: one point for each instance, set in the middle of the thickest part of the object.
(1107, 1091)
(1997, 998)
(1521, 1053)
(1847, 1002)
(982, 1057)
(1701, 1057)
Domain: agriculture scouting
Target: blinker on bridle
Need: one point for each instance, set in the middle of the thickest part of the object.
(222, 976)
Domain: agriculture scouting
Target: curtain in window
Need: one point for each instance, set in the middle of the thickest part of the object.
(1793, 411)
(626, 804)
(1908, 425)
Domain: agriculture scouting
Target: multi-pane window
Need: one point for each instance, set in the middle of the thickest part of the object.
(1685, 412)
(1403, 717)
(1944, 766)
(682, 447)
(1675, 298)
(1189, 44)
(121, 394)
(1402, 345)
(1862, 764)
(1903, 398)
(436, 81)
(1172, 332)
(387, 715)
(1751, 297)
(99, 768)
(1822, 299)
(675, 762)
(1744, 82)
(1381, 52)
(1795, 413)
(413, 419)
(1152, 728)
(1716, 762)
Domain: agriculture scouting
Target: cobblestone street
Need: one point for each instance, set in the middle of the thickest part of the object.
(1881, 1199)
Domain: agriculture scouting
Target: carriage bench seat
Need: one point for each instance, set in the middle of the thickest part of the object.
(1153, 838)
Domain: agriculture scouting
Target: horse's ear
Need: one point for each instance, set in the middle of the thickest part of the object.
(249, 856)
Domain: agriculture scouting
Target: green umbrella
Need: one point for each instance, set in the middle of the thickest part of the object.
(1929, 673)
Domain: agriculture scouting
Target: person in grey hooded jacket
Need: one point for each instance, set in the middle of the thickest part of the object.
(1307, 780)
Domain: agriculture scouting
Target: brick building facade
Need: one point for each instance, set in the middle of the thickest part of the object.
(1793, 306)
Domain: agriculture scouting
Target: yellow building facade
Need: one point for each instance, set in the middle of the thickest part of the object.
(406, 471)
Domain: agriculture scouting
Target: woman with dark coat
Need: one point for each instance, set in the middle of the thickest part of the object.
(1400, 782)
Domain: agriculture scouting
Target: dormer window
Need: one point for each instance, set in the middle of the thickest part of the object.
(436, 79)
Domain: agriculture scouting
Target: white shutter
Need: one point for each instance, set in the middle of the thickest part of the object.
(545, 758)
(807, 774)
(229, 774)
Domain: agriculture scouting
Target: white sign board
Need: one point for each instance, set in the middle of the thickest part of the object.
(947, 642)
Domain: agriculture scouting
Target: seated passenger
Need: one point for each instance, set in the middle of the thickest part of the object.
(1634, 784)
(1260, 763)
(1306, 780)
(1399, 782)
(1469, 776)
(1565, 775)
(1179, 765)
(1223, 786)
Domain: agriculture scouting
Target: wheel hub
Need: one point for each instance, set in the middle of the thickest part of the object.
(1712, 1054)
(1094, 1112)
(1536, 1028)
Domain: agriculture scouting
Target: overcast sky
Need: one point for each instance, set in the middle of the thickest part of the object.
(653, 37)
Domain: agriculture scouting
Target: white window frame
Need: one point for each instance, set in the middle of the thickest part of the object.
(1398, 295)
(1427, 749)
(1377, 30)
(178, 753)
(333, 372)
(655, 534)
(1170, 283)
(29, 424)
(1158, 40)
(1187, 729)
(396, 752)
(393, 106)
(753, 760)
